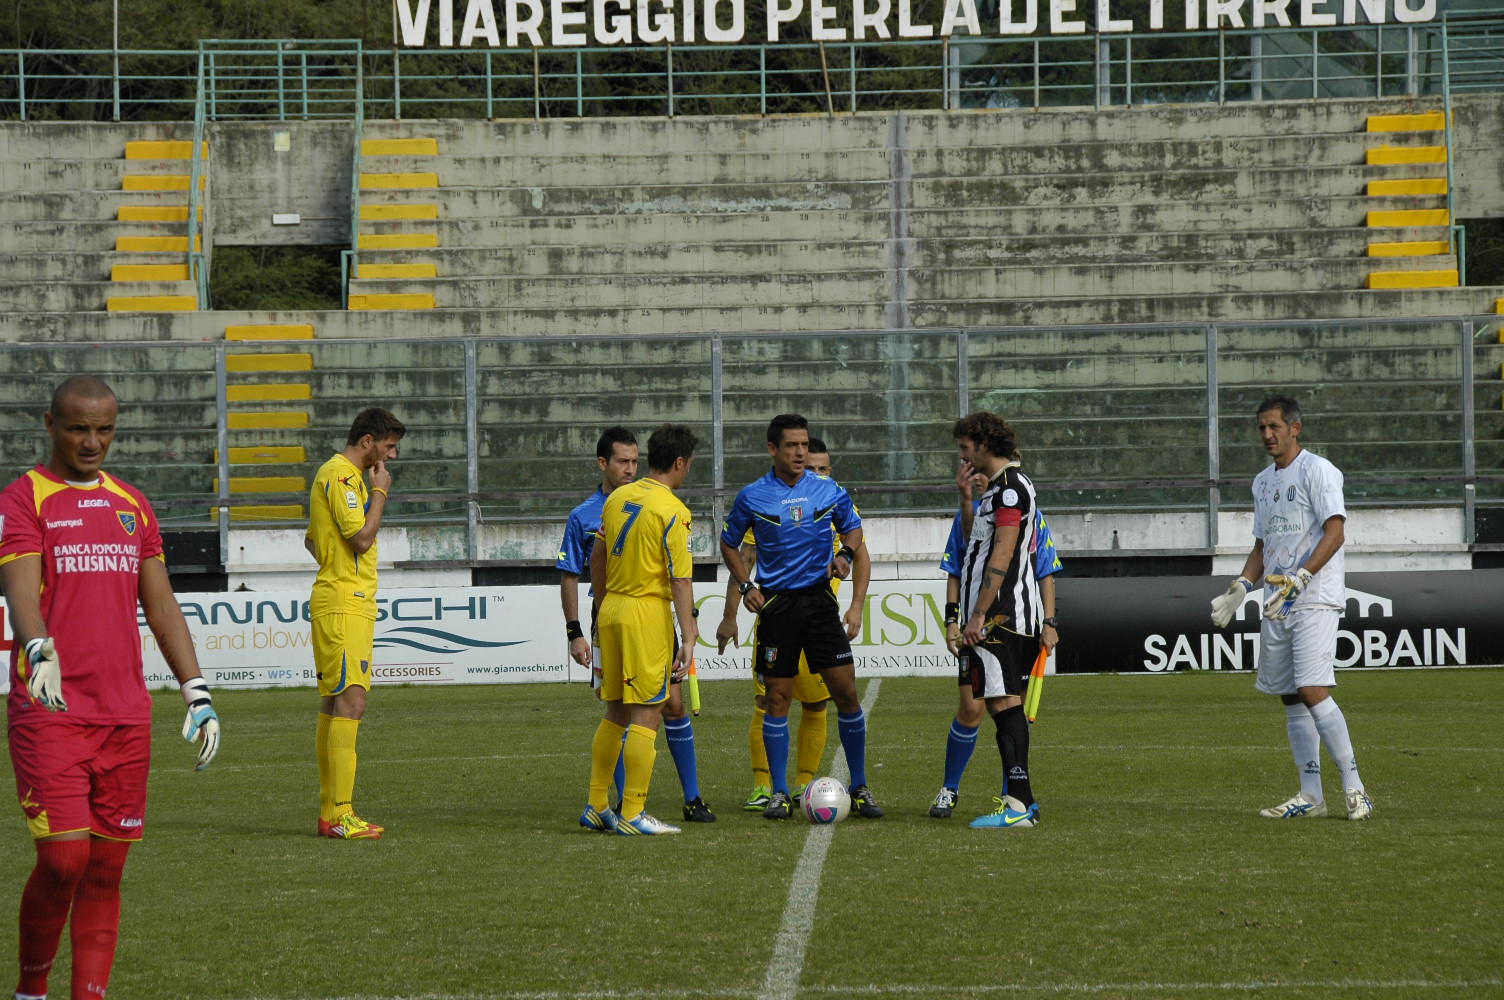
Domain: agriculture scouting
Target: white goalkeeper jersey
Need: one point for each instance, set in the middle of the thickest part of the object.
(1290, 505)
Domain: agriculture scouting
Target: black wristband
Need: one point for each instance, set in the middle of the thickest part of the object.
(572, 629)
(1052, 622)
(848, 553)
(952, 613)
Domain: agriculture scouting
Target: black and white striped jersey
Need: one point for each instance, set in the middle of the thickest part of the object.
(1008, 502)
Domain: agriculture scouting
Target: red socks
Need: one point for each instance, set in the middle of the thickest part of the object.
(44, 907)
(96, 918)
(84, 876)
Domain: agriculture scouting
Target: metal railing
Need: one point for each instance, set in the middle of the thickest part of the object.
(295, 80)
(1128, 418)
(198, 261)
(349, 260)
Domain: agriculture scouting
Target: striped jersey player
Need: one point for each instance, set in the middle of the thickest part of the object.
(1000, 605)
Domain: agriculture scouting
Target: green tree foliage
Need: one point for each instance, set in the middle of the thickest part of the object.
(276, 278)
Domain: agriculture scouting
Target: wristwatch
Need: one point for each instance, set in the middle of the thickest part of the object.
(1052, 622)
(743, 587)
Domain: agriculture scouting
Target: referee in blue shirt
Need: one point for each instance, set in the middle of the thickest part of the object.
(791, 512)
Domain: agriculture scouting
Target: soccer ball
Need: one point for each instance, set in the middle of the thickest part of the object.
(826, 801)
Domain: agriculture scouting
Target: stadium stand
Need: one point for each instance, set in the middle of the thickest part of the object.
(588, 260)
(1161, 214)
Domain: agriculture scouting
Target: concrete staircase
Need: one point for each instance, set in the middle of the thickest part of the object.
(269, 399)
(406, 198)
(149, 285)
(1424, 259)
(91, 218)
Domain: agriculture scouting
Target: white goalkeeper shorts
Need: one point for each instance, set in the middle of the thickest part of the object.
(1299, 651)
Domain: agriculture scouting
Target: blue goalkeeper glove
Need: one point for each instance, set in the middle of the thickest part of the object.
(1224, 606)
(44, 675)
(1288, 592)
(202, 722)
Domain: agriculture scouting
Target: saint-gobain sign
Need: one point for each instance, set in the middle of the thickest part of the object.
(567, 23)
(1390, 620)
(489, 635)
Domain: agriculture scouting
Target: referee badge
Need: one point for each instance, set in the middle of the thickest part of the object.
(796, 513)
(770, 654)
(127, 521)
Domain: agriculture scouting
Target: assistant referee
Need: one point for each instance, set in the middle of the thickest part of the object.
(791, 512)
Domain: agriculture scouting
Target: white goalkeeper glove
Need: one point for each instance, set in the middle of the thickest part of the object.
(1226, 605)
(202, 722)
(44, 680)
(1283, 599)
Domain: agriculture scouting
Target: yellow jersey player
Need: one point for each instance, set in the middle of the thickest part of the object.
(641, 579)
(616, 456)
(809, 687)
(344, 514)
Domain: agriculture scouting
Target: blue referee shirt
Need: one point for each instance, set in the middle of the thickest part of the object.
(579, 533)
(1046, 559)
(792, 526)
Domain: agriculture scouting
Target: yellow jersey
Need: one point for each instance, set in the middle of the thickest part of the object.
(337, 505)
(646, 532)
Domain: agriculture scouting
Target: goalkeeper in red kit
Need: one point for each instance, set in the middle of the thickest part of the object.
(79, 549)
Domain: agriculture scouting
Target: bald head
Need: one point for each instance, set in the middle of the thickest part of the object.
(85, 388)
(81, 424)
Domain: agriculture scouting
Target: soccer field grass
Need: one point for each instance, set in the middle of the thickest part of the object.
(1151, 874)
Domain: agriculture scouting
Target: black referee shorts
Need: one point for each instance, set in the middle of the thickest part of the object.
(800, 621)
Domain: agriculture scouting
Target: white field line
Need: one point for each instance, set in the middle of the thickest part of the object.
(787, 964)
(1402, 986)
(372, 761)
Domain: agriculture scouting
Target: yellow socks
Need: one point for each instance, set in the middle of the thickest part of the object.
(640, 750)
(341, 752)
(321, 749)
(812, 735)
(757, 752)
(605, 748)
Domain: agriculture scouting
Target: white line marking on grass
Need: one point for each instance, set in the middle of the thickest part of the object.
(1252, 986)
(932, 989)
(787, 964)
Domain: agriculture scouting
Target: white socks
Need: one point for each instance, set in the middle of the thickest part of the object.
(1305, 746)
(1332, 726)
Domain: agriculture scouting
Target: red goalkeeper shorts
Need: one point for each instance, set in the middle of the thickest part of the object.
(76, 776)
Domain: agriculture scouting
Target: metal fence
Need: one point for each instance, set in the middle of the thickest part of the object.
(1124, 418)
(307, 79)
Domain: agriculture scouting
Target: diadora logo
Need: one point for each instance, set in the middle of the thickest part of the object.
(94, 502)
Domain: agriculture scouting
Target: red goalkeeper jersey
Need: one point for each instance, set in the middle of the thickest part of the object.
(91, 540)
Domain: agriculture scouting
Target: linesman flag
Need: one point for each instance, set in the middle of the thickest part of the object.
(1036, 685)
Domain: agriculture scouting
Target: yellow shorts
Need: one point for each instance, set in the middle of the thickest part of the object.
(809, 688)
(342, 652)
(636, 638)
